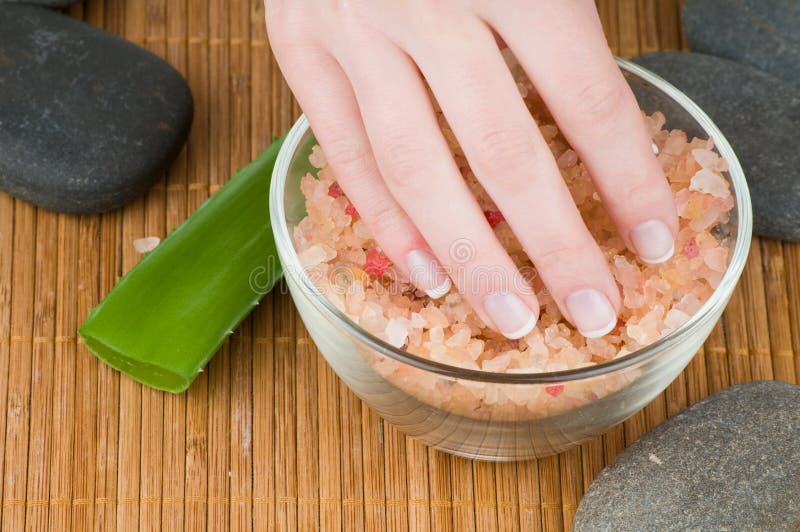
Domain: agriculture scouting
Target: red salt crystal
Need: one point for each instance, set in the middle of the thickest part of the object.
(335, 190)
(555, 390)
(377, 263)
(351, 210)
(691, 249)
(494, 218)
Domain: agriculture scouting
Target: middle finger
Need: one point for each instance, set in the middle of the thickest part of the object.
(509, 156)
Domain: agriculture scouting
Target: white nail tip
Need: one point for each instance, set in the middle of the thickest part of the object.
(597, 333)
(440, 290)
(522, 331)
(663, 258)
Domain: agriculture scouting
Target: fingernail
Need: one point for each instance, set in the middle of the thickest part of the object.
(591, 312)
(426, 274)
(510, 314)
(653, 242)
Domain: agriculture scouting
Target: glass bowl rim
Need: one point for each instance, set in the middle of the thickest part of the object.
(287, 253)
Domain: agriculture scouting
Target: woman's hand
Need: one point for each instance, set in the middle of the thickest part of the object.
(359, 70)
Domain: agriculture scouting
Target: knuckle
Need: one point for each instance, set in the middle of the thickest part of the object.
(600, 102)
(557, 257)
(404, 159)
(347, 155)
(633, 196)
(384, 218)
(502, 152)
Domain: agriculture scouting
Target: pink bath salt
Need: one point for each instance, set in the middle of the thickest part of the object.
(494, 218)
(549, 132)
(689, 304)
(716, 259)
(475, 348)
(724, 203)
(372, 318)
(705, 219)
(690, 248)
(316, 254)
(657, 299)
(555, 390)
(707, 159)
(335, 191)
(434, 317)
(317, 157)
(397, 331)
(497, 364)
(708, 182)
(377, 263)
(461, 336)
(675, 142)
(417, 321)
(350, 210)
(567, 159)
(675, 318)
(627, 273)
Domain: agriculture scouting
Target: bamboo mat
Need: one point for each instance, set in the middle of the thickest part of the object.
(268, 438)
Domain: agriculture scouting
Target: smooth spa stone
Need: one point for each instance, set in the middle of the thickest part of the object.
(55, 4)
(761, 33)
(760, 116)
(88, 121)
(729, 462)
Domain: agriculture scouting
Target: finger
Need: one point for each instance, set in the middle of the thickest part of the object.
(419, 169)
(327, 98)
(563, 50)
(514, 164)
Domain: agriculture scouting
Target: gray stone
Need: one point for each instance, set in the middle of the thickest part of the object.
(761, 33)
(760, 116)
(729, 462)
(87, 120)
(55, 4)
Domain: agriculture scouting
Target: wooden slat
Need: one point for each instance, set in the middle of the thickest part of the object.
(19, 367)
(41, 377)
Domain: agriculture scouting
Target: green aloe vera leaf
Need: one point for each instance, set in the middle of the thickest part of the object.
(165, 319)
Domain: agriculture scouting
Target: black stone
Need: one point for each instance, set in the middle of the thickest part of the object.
(730, 462)
(760, 116)
(87, 120)
(55, 4)
(761, 33)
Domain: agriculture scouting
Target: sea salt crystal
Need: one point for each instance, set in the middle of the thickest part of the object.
(675, 318)
(716, 259)
(555, 390)
(567, 159)
(316, 254)
(708, 182)
(690, 249)
(494, 218)
(496, 364)
(317, 157)
(397, 331)
(147, 244)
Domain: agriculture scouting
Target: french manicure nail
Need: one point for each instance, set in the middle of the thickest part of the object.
(510, 314)
(653, 242)
(426, 274)
(591, 312)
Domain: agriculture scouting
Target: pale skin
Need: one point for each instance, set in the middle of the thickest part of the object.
(361, 69)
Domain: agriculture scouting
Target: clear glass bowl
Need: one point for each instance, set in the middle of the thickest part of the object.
(435, 402)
